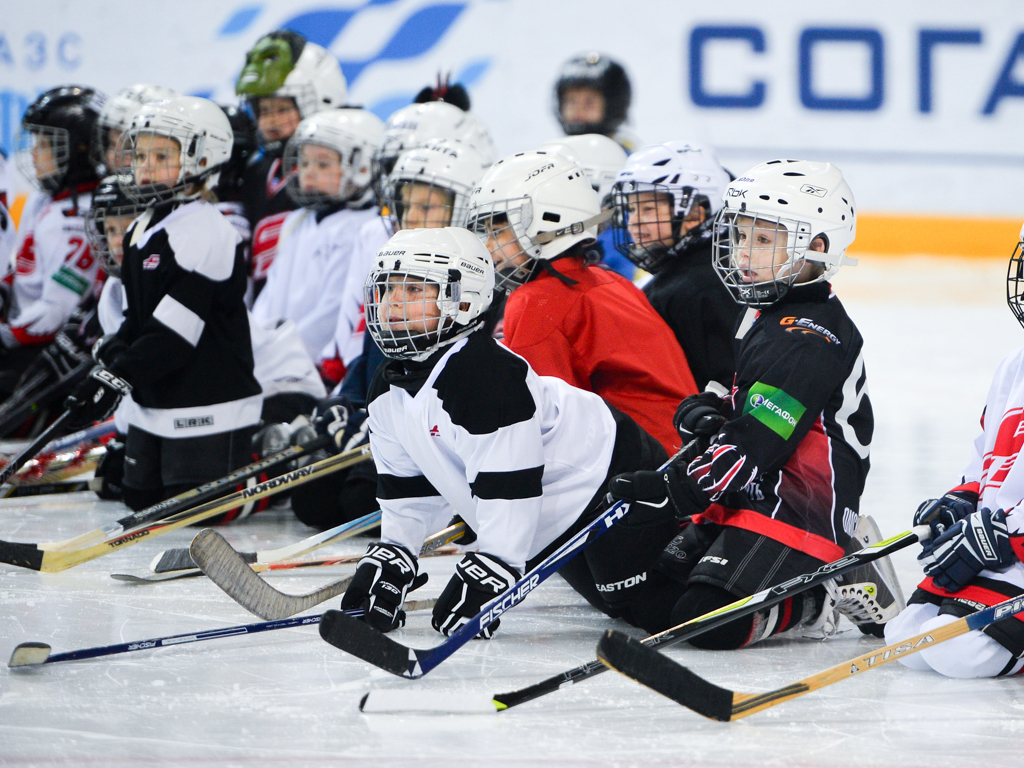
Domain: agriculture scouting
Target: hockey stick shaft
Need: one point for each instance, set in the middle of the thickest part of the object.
(34, 447)
(31, 557)
(48, 488)
(665, 676)
(764, 599)
(94, 434)
(29, 654)
(12, 414)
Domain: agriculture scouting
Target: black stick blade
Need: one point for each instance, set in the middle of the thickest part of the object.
(21, 555)
(363, 641)
(659, 673)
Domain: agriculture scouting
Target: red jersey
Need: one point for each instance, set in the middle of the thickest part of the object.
(603, 336)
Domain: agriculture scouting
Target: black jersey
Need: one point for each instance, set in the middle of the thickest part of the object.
(698, 308)
(266, 203)
(189, 358)
(802, 417)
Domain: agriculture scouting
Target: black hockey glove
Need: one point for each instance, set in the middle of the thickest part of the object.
(95, 398)
(110, 471)
(466, 538)
(478, 578)
(383, 577)
(107, 349)
(722, 469)
(63, 355)
(660, 487)
(942, 514)
(346, 424)
(699, 416)
(977, 542)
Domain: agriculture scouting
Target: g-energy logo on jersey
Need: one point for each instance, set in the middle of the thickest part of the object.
(775, 408)
(804, 325)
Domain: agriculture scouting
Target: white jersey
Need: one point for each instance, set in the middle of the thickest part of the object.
(53, 267)
(517, 455)
(280, 361)
(8, 232)
(347, 342)
(307, 279)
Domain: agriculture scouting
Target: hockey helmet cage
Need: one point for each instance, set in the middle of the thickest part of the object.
(108, 217)
(55, 146)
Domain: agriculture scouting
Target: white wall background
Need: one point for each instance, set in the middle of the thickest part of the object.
(956, 158)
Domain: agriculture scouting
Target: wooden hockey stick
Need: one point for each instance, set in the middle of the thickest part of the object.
(34, 558)
(229, 571)
(659, 673)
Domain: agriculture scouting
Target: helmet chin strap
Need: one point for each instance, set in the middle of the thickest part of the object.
(543, 238)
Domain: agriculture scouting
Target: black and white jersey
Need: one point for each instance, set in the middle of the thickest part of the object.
(478, 433)
(189, 358)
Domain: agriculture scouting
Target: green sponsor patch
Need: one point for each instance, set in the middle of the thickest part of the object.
(71, 281)
(774, 408)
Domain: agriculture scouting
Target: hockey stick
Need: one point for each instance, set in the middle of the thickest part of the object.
(47, 488)
(53, 467)
(12, 414)
(94, 434)
(162, 509)
(32, 557)
(661, 674)
(33, 654)
(34, 447)
(229, 571)
(384, 701)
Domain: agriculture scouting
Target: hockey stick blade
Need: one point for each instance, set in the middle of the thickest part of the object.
(131, 578)
(363, 641)
(34, 654)
(661, 674)
(180, 559)
(764, 599)
(241, 583)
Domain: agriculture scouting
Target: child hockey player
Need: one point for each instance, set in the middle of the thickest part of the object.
(592, 95)
(328, 164)
(184, 349)
(53, 269)
(588, 326)
(117, 115)
(458, 423)
(776, 493)
(973, 559)
(666, 198)
(284, 81)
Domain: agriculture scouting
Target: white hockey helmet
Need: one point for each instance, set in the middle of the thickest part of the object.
(685, 173)
(448, 166)
(353, 133)
(1015, 280)
(117, 114)
(204, 137)
(532, 207)
(400, 282)
(771, 215)
(313, 80)
(600, 158)
(417, 124)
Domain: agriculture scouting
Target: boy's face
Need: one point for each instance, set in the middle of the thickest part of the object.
(506, 252)
(320, 170)
(114, 228)
(410, 305)
(582, 105)
(44, 158)
(759, 251)
(156, 159)
(425, 206)
(650, 218)
(278, 117)
(110, 151)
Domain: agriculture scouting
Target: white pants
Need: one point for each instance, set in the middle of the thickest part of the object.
(974, 654)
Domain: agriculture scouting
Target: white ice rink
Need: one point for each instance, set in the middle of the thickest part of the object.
(934, 332)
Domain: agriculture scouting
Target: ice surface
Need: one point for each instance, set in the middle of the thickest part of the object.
(934, 332)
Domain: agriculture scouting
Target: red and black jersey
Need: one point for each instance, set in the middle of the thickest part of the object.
(801, 422)
(266, 202)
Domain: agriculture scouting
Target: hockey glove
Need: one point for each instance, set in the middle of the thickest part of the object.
(339, 418)
(942, 514)
(95, 398)
(383, 577)
(722, 469)
(467, 538)
(107, 349)
(977, 542)
(699, 416)
(658, 488)
(478, 578)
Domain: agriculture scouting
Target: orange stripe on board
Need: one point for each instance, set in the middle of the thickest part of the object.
(16, 208)
(901, 235)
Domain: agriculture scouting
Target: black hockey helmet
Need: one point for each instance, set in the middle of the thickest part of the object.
(607, 77)
(246, 143)
(62, 120)
(109, 202)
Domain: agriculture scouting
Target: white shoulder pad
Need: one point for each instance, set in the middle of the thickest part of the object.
(203, 240)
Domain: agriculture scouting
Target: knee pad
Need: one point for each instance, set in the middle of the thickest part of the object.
(678, 558)
(699, 599)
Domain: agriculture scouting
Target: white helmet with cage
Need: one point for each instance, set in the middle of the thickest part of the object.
(771, 217)
(532, 207)
(440, 282)
(353, 133)
(430, 185)
(1015, 280)
(683, 173)
(417, 124)
(117, 115)
(600, 157)
(150, 169)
